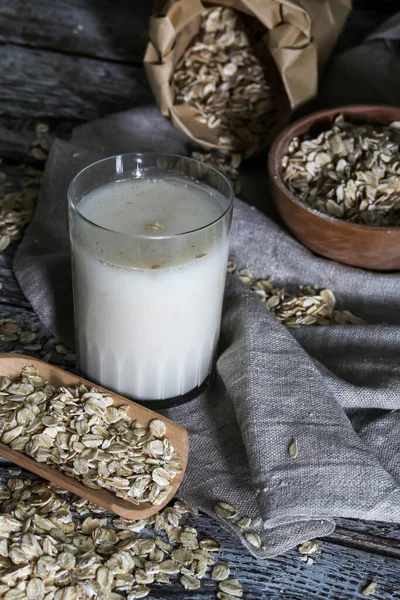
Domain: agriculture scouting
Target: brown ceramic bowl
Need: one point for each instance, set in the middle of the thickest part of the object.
(376, 248)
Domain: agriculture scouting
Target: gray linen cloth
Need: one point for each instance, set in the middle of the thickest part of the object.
(335, 389)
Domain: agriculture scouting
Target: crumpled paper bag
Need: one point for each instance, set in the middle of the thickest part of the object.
(300, 38)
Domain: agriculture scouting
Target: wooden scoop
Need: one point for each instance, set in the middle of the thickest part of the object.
(11, 365)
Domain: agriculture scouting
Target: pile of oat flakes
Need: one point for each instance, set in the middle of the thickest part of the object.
(349, 171)
(17, 205)
(83, 434)
(304, 306)
(54, 547)
(227, 76)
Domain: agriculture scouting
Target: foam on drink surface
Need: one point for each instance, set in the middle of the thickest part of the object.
(129, 206)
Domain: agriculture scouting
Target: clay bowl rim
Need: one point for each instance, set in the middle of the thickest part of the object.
(277, 151)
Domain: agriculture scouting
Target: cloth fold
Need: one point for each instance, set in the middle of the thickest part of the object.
(335, 389)
(365, 74)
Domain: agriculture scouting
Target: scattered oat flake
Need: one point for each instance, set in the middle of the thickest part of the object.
(26, 337)
(38, 153)
(61, 349)
(41, 128)
(225, 510)
(3, 176)
(190, 582)
(244, 523)
(253, 539)
(370, 589)
(75, 154)
(15, 471)
(33, 347)
(310, 547)
(45, 144)
(220, 572)
(210, 545)
(233, 587)
(155, 226)
(4, 242)
(231, 268)
(138, 591)
(293, 449)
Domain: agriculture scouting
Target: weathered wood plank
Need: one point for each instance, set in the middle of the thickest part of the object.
(373, 536)
(104, 29)
(337, 573)
(118, 30)
(37, 83)
(372, 528)
(376, 544)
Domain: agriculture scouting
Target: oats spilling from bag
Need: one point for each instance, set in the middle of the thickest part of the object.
(52, 548)
(227, 76)
(220, 572)
(80, 432)
(306, 306)
(227, 165)
(350, 171)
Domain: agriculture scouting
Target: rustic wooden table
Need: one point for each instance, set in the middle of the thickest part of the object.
(67, 61)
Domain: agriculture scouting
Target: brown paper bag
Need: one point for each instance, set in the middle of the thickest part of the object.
(300, 38)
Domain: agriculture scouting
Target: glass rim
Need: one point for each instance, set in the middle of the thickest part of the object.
(74, 208)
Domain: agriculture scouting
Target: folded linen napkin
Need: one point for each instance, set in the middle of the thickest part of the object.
(335, 389)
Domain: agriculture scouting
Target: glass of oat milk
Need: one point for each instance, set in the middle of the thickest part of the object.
(149, 236)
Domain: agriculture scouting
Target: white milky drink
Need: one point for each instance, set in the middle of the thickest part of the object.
(148, 294)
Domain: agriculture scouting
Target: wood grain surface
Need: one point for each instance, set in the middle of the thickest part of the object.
(45, 83)
(54, 71)
(106, 29)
